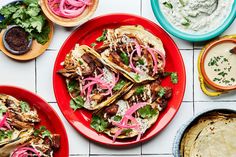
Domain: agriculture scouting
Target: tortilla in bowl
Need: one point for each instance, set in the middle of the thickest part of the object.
(212, 134)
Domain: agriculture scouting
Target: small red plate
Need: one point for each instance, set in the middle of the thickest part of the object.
(87, 34)
(47, 115)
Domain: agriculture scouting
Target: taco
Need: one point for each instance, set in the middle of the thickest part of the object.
(18, 133)
(90, 82)
(134, 113)
(135, 52)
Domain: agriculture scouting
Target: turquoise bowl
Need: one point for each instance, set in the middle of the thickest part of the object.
(191, 37)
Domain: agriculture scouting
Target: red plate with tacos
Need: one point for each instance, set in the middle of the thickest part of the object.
(119, 79)
(29, 126)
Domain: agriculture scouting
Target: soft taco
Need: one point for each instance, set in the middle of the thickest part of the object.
(134, 113)
(90, 82)
(135, 52)
(18, 133)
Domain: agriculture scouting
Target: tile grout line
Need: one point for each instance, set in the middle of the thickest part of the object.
(193, 82)
(35, 79)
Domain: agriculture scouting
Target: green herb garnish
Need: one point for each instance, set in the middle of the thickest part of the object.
(147, 112)
(77, 103)
(93, 44)
(24, 106)
(28, 15)
(43, 132)
(5, 134)
(174, 77)
(98, 123)
(102, 37)
(2, 110)
(139, 90)
(71, 85)
(186, 23)
(182, 2)
(140, 61)
(223, 74)
(168, 5)
(161, 92)
(127, 131)
(124, 57)
(119, 85)
(136, 77)
(117, 118)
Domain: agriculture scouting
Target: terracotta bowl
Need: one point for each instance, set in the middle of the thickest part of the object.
(69, 22)
(36, 48)
(207, 80)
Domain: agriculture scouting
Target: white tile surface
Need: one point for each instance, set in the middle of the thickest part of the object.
(147, 13)
(44, 65)
(163, 142)
(99, 149)
(199, 95)
(118, 6)
(16, 73)
(188, 59)
(77, 144)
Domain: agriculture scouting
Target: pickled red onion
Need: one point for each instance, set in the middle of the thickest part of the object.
(128, 116)
(154, 60)
(19, 152)
(131, 63)
(3, 122)
(68, 8)
(161, 55)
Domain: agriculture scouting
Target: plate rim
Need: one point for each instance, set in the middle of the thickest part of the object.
(94, 20)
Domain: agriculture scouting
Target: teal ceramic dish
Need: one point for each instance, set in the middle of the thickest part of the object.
(191, 37)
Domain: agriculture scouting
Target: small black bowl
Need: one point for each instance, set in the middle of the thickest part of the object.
(6, 45)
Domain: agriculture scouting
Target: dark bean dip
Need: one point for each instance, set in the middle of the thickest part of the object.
(17, 39)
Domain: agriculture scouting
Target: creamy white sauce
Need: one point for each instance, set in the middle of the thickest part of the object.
(220, 64)
(123, 107)
(144, 124)
(196, 16)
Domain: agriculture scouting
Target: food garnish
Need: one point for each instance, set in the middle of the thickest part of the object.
(28, 15)
(68, 8)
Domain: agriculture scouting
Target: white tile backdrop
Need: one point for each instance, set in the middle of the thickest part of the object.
(36, 76)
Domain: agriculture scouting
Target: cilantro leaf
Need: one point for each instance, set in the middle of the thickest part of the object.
(102, 37)
(98, 123)
(147, 112)
(43, 132)
(33, 10)
(161, 92)
(174, 77)
(124, 57)
(71, 85)
(77, 103)
(139, 90)
(24, 106)
(168, 5)
(119, 85)
(5, 134)
(137, 77)
(141, 61)
(117, 118)
(93, 44)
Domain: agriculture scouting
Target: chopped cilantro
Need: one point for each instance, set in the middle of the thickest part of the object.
(127, 131)
(24, 106)
(168, 5)
(147, 112)
(117, 118)
(141, 61)
(174, 77)
(136, 77)
(161, 92)
(5, 134)
(93, 44)
(139, 90)
(98, 123)
(119, 85)
(182, 2)
(124, 57)
(43, 132)
(77, 103)
(71, 85)
(102, 37)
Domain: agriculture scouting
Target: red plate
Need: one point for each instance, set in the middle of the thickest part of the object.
(86, 34)
(48, 116)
